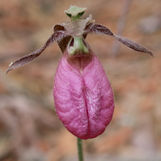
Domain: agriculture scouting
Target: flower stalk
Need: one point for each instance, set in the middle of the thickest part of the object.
(80, 149)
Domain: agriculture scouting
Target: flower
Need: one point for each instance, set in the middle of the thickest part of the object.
(83, 95)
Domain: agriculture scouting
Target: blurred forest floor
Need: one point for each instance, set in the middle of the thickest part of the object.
(29, 128)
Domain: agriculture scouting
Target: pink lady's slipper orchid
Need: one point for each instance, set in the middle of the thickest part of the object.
(83, 95)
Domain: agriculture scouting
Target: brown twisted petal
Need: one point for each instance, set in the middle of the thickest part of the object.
(133, 45)
(100, 29)
(58, 35)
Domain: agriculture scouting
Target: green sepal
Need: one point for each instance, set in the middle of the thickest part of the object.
(75, 12)
(78, 46)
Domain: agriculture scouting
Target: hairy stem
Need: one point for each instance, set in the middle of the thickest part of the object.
(80, 149)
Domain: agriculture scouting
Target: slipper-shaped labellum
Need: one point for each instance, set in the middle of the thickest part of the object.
(83, 96)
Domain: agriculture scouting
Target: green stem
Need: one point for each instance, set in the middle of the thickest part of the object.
(80, 150)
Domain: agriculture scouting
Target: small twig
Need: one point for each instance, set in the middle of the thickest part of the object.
(121, 26)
